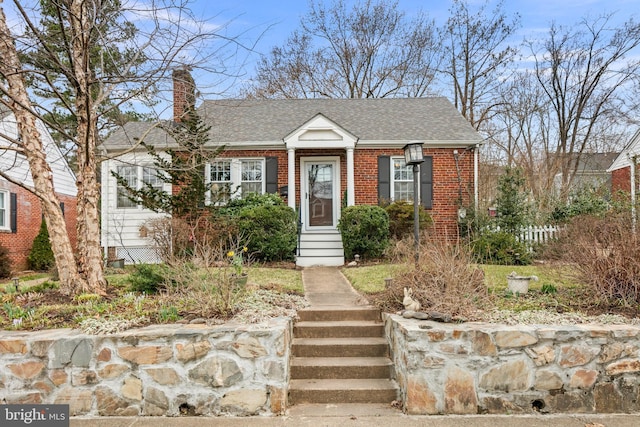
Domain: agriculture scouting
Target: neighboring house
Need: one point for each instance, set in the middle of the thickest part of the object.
(20, 210)
(317, 154)
(624, 176)
(592, 172)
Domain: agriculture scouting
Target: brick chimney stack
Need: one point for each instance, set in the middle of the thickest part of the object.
(184, 94)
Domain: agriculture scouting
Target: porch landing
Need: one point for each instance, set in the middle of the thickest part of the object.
(320, 249)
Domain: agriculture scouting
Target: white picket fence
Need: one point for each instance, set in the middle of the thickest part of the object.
(534, 235)
(539, 234)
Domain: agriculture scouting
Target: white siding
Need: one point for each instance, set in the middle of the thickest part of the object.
(121, 226)
(17, 167)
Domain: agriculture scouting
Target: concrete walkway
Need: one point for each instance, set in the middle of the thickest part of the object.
(327, 287)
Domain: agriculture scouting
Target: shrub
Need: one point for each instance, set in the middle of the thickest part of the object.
(148, 278)
(252, 200)
(444, 281)
(365, 231)
(585, 201)
(499, 247)
(401, 219)
(605, 254)
(41, 256)
(5, 263)
(270, 231)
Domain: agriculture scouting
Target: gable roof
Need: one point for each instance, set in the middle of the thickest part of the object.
(630, 151)
(389, 119)
(16, 166)
(269, 121)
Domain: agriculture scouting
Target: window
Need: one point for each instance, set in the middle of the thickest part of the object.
(402, 180)
(220, 179)
(136, 177)
(130, 175)
(228, 175)
(251, 177)
(4, 210)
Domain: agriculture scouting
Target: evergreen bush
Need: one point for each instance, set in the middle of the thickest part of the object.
(41, 256)
(270, 230)
(5, 263)
(365, 231)
(500, 247)
(401, 219)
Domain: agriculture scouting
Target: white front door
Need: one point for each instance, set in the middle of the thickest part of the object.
(321, 192)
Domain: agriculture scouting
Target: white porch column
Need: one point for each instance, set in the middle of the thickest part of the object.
(351, 186)
(291, 177)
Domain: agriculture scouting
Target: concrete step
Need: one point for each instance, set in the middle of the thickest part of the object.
(341, 367)
(315, 314)
(340, 347)
(321, 237)
(315, 252)
(320, 244)
(342, 391)
(338, 329)
(316, 261)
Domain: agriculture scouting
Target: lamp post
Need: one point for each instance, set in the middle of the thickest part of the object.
(413, 156)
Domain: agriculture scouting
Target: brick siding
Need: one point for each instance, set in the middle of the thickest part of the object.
(448, 188)
(29, 219)
(621, 180)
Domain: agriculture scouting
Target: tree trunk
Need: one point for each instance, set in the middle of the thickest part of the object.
(70, 279)
(89, 250)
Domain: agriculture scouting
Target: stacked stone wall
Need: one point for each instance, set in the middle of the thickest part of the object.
(165, 370)
(487, 368)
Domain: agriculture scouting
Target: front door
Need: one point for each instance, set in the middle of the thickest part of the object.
(321, 184)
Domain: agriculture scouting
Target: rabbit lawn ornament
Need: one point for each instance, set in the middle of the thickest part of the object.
(408, 301)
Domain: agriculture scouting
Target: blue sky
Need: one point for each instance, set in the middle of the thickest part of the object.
(268, 23)
(284, 15)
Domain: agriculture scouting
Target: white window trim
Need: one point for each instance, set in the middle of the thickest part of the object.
(139, 183)
(392, 180)
(236, 175)
(7, 211)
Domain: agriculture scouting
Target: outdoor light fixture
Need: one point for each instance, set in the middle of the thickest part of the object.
(413, 153)
(413, 156)
(16, 283)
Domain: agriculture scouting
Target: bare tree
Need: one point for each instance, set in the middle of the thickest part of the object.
(29, 144)
(370, 51)
(167, 35)
(476, 57)
(583, 72)
(524, 121)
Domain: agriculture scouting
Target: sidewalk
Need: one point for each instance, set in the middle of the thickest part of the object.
(313, 419)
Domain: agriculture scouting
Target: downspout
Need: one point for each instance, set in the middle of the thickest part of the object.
(475, 177)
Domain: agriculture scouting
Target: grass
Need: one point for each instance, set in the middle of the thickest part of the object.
(371, 279)
(287, 279)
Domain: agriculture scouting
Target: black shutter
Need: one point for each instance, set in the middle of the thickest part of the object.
(384, 179)
(271, 175)
(13, 212)
(62, 207)
(426, 183)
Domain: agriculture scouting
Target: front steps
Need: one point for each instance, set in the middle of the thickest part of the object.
(320, 249)
(341, 356)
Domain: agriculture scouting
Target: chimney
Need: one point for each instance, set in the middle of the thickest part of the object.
(184, 94)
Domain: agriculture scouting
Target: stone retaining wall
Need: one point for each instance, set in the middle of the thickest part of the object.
(486, 368)
(167, 370)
